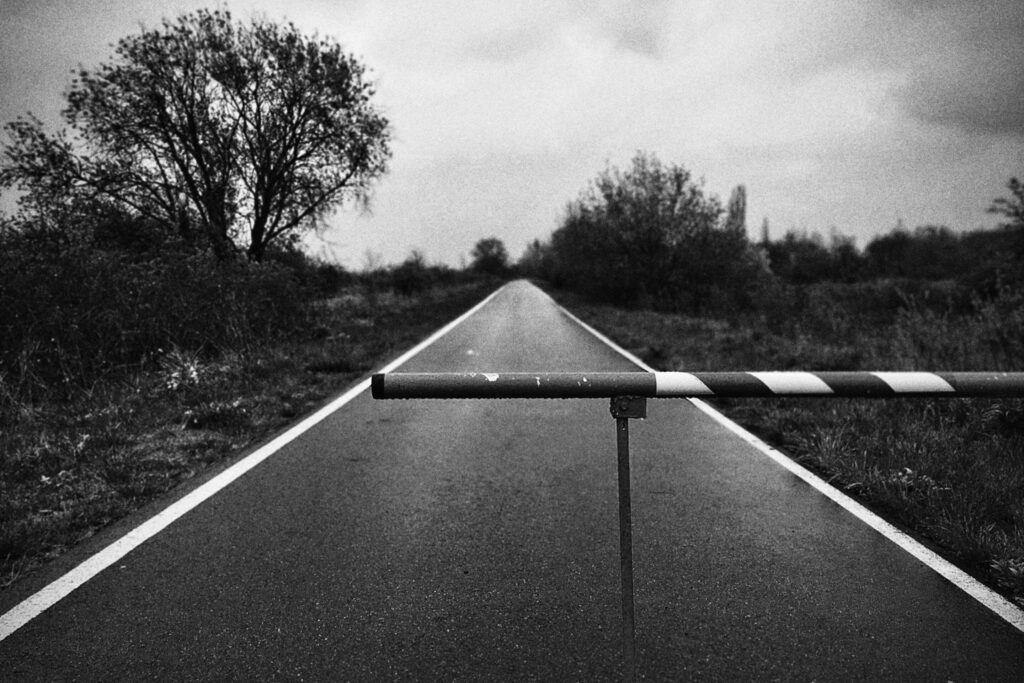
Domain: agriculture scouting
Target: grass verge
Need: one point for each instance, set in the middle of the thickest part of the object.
(950, 472)
(70, 467)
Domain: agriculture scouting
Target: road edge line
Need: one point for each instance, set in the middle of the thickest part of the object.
(995, 602)
(55, 591)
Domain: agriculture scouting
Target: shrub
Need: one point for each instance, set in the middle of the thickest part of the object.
(73, 313)
(413, 275)
(989, 337)
(649, 236)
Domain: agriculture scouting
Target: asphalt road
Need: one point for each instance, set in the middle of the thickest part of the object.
(477, 540)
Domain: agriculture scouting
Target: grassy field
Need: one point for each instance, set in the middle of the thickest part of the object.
(70, 466)
(951, 472)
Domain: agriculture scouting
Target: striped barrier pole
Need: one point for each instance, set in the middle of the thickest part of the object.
(697, 384)
(628, 392)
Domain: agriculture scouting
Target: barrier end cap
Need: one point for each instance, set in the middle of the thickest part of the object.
(377, 385)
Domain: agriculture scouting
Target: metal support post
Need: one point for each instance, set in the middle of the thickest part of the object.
(623, 409)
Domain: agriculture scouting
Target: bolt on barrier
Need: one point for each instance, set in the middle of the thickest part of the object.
(629, 392)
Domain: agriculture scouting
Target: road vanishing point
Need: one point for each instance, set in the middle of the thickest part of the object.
(477, 540)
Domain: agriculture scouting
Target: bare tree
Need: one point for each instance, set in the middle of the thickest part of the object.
(1012, 208)
(239, 134)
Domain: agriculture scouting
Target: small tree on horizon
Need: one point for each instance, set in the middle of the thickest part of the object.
(490, 256)
(736, 211)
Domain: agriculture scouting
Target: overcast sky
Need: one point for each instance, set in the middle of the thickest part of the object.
(844, 114)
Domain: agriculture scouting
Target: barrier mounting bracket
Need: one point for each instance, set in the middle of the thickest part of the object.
(629, 407)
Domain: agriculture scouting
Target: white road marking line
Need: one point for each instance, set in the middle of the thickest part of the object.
(675, 383)
(46, 597)
(1009, 612)
(793, 382)
(904, 382)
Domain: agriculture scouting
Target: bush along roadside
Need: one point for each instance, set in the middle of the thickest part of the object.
(75, 458)
(948, 471)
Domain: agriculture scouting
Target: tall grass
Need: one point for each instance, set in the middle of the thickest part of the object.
(990, 336)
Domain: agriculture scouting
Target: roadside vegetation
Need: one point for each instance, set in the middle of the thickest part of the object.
(156, 313)
(951, 472)
(142, 373)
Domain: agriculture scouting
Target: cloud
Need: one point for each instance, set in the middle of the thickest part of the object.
(959, 65)
(973, 78)
(624, 25)
(638, 27)
(510, 44)
(973, 97)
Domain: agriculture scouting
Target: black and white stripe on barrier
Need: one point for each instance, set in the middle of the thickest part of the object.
(697, 384)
